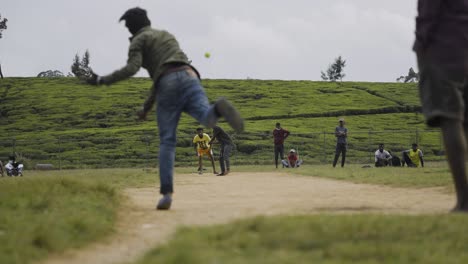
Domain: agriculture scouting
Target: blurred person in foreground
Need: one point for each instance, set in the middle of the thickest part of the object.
(176, 88)
(441, 48)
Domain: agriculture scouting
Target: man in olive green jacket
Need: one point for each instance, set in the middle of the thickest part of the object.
(176, 89)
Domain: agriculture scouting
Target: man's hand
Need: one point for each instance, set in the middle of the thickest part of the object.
(94, 79)
(142, 114)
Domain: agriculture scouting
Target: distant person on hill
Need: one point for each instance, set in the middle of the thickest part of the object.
(176, 88)
(341, 134)
(293, 160)
(203, 147)
(441, 47)
(225, 150)
(279, 135)
(413, 157)
(382, 157)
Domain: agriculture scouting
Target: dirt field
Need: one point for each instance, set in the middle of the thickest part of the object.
(207, 199)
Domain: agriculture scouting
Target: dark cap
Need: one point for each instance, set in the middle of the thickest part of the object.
(135, 19)
(132, 13)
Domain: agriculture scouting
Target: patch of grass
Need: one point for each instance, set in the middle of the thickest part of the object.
(433, 175)
(115, 178)
(321, 239)
(40, 215)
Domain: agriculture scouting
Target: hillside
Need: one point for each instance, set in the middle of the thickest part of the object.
(63, 122)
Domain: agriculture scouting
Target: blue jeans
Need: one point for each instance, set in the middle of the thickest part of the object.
(224, 154)
(178, 92)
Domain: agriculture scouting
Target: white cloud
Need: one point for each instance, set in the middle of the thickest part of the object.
(261, 39)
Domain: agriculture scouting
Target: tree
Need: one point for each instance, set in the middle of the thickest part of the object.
(80, 67)
(50, 74)
(3, 26)
(335, 71)
(411, 77)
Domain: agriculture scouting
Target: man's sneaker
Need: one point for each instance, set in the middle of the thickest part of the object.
(232, 116)
(165, 202)
(221, 174)
(200, 172)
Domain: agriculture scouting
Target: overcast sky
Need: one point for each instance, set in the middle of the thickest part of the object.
(260, 39)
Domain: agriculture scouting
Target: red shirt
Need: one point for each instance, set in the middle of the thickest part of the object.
(292, 157)
(280, 135)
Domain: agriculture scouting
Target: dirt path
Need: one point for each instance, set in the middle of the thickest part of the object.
(206, 199)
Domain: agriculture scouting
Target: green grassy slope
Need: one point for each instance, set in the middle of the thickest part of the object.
(321, 239)
(63, 122)
(41, 215)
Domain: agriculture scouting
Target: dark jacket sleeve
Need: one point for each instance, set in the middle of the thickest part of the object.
(134, 62)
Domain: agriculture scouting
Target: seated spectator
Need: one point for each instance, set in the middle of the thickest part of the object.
(293, 160)
(395, 161)
(14, 168)
(413, 157)
(382, 157)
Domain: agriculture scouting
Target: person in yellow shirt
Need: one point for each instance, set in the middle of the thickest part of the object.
(413, 157)
(202, 146)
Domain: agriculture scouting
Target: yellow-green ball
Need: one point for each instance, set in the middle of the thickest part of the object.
(207, 55)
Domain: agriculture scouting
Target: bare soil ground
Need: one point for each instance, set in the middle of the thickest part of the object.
(207, 199)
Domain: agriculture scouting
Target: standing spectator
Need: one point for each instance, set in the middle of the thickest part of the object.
(202, 147)
(413, 157)
(279, 135)
(176, 88)
(382, 157)
(441, 47)
(225, 151)
(341, 134)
